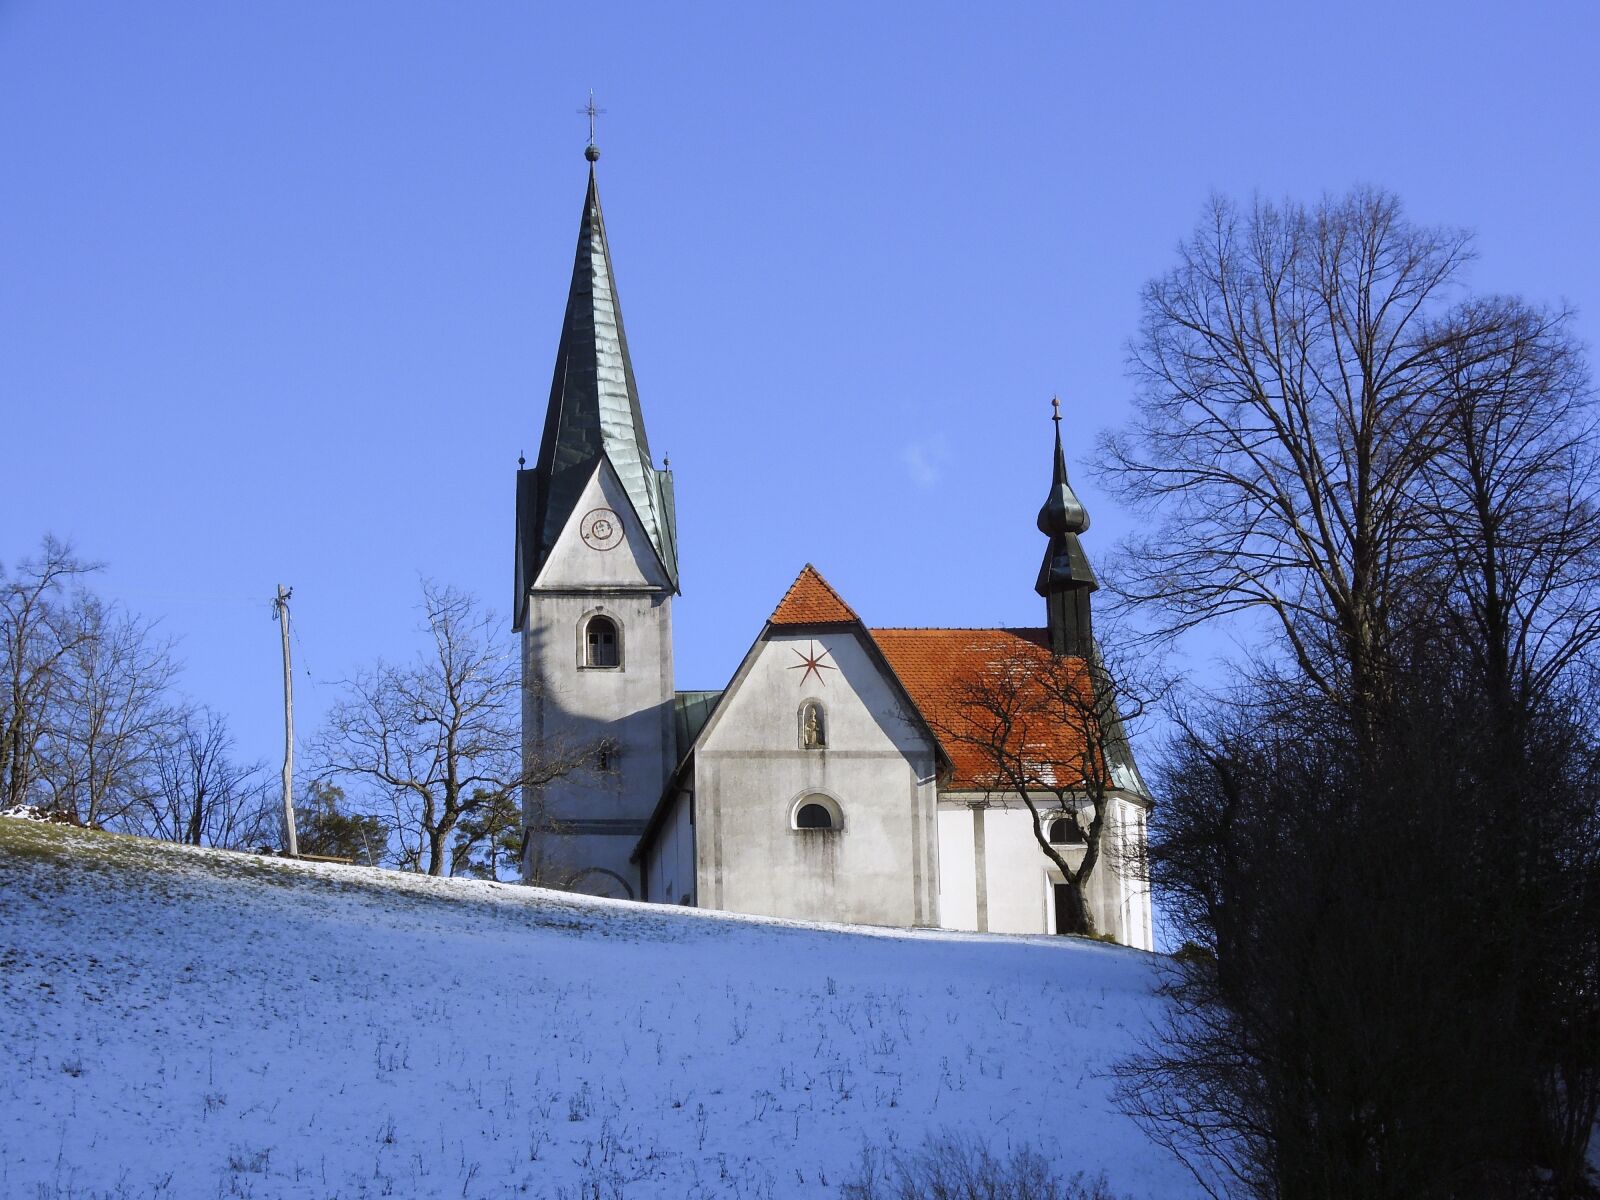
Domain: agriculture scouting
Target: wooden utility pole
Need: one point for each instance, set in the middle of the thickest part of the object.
(280, 606)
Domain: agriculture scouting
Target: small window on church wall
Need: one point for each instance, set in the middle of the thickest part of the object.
(600, 643)
(813, 816)
(813, 726)
(817, 811)
(1065, 831)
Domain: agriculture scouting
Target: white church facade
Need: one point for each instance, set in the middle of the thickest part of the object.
(836, 777)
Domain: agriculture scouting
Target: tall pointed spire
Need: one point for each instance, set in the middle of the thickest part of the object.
(1065, 577)
(594, 411)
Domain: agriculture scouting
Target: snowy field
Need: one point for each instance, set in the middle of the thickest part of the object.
(189, 1023)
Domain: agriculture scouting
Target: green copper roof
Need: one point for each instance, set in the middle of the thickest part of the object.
(690, 712)
(594, 410)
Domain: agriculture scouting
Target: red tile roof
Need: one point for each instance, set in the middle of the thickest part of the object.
(810, 601)
(941, 668)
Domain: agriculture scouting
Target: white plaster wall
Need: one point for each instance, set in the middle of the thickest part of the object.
(1019, 876)
(669, 867)
(750, 769)
(570, 706)
(958, 881)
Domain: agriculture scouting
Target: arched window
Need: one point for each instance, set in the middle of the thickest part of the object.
(602, 644)
(817, 811)
(813, 816)
(1064, 831)
(813, 726)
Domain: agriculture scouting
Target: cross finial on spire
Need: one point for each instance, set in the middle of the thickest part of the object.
(592, 151)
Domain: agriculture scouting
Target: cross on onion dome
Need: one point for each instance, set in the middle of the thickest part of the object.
(812, 664)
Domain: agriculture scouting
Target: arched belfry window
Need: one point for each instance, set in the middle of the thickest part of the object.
(602, 642)
(1065, 831)
(817, 811)
(813, 726)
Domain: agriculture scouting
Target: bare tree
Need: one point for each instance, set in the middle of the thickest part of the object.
(1509, 494)
(440, 739)
(1384, 842)
(1048, 729)
(199, 794)
(1289, 380)
(37, 634)
(1515, 529)
(110, 714)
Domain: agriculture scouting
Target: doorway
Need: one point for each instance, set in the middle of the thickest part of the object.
(1063, 901)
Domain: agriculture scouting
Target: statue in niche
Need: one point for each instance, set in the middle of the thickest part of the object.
(812, 734)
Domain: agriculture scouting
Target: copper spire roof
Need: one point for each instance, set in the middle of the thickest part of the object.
(594, 405)
(811, 601)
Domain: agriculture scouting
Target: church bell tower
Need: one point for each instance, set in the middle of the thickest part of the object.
(596, 571)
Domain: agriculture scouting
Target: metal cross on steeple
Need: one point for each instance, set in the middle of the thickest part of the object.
(592, 152)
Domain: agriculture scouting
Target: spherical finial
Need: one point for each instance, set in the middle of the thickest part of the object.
(1055, 405)
(521, 462)
(592, 152)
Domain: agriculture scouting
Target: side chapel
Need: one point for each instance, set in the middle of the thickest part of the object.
(815, 785)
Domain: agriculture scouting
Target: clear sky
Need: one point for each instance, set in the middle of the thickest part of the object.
(281, 284)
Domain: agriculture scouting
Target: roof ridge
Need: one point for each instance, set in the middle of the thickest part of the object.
(960, 629)
(812, 600)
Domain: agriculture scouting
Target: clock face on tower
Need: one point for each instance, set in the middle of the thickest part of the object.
(601, 529)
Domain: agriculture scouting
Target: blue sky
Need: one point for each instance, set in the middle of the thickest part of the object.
(280, 285)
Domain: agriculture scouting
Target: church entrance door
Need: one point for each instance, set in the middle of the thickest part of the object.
(1063, 907)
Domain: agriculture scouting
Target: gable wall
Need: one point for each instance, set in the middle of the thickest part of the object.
(750, 769)
(631, 563)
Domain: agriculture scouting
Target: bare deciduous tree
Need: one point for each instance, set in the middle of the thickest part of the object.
(110, 714)
(37, 634)
(199, 794)
(1384, 841)
(1048, 729)
(441, 738)
(1289, 380)
(1509, 494)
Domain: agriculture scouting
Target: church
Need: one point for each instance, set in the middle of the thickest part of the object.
(847, 772)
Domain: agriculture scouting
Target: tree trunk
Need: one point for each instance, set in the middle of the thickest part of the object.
(437, 839)
(1078, 909)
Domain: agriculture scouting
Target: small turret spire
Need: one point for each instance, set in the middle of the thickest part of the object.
(1062, 511)
(1065, 577)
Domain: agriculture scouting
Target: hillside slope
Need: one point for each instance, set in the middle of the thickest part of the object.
(179, 1022)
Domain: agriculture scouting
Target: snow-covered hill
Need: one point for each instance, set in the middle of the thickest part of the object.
(178, 1022)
